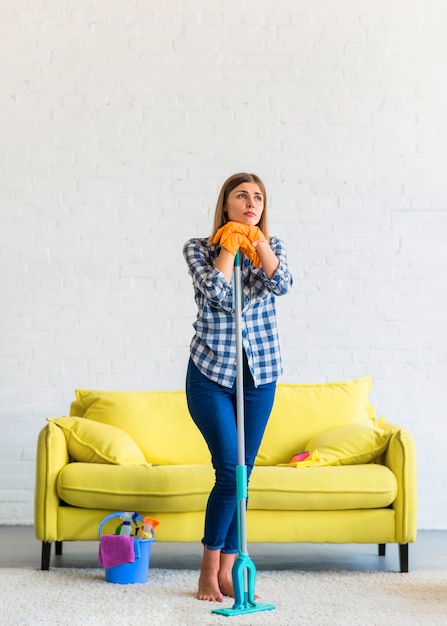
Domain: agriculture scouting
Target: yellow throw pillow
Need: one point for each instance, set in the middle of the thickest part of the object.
(92, 442)
(352, 444)
(301, 411)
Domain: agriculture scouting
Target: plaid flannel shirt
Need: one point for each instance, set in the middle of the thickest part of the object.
(213, 346)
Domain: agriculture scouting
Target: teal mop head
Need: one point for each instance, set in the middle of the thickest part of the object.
(244, 577)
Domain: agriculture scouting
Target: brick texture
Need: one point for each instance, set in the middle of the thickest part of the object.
(120, 121)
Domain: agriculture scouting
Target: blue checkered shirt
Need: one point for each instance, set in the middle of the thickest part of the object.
(213, 346)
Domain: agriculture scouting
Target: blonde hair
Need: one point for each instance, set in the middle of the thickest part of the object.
(220, 215)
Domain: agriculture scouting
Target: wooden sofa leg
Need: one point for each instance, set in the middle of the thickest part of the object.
(382, 549)
(46, 554)
(403, 557)
(58, 548)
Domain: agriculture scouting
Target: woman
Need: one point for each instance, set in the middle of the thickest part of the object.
(240, 222)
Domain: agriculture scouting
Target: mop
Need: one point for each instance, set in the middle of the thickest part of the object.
(244, 570)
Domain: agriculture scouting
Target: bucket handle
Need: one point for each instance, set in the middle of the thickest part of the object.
(135, 517)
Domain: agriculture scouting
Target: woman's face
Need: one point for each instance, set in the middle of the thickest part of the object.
(245, 204)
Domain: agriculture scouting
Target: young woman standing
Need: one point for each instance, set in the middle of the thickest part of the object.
(240, 223)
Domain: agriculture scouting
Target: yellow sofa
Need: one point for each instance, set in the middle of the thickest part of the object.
(140, 451)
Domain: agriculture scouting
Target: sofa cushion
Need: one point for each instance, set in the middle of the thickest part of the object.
(346, 445)
(334, 488)
(92, 442)
(302, 411)
(179, 488)
(168, 488)
(158, 421)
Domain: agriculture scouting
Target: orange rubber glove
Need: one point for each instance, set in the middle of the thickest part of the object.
(251, 253)
(253, 233)
(256, 234)
(235, 241)
(228, 229)
(235, 235)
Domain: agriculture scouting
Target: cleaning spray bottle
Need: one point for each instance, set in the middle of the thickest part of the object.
(125, 527)
(147, 530)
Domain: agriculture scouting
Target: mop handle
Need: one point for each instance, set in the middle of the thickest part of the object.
(239, 361)
(241, 469)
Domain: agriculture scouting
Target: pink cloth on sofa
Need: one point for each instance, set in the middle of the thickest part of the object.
(116, 550)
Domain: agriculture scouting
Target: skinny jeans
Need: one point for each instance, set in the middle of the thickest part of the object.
(213, 409)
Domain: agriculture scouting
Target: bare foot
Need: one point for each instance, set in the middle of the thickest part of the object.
(209, 589)
(208, 579)
(226, 584)
(225, 576)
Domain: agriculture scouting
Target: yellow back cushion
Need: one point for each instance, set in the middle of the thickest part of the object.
(160, 424)
(158, 421)
(93, 442)
(302, 411)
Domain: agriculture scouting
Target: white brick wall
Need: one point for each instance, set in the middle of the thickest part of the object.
(119, 122)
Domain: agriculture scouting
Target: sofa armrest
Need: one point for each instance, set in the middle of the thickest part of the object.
(52, 456)
(400, 457)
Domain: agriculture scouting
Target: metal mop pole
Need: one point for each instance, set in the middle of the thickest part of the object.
(240, 414)
(244, 570)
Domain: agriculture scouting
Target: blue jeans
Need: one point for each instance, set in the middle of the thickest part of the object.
(213, 409)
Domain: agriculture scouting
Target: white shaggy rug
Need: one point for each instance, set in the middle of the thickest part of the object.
(68, 597)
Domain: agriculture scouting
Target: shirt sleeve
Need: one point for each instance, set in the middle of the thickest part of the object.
(282, 280)
(206, 278)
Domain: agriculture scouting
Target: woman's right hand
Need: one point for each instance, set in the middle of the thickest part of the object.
(236, 241)
(236, 236)
(253, 233)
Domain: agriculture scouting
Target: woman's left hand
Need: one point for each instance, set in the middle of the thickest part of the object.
(258, 249)
(253, 233)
